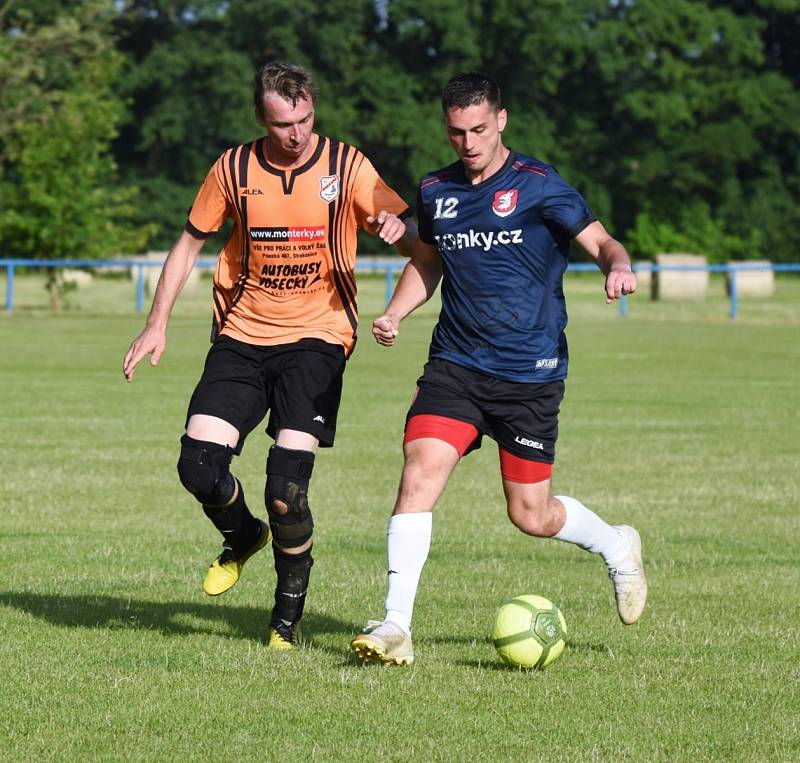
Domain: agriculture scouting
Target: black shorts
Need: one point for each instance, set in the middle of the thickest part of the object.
(300, 384)
(521, 417)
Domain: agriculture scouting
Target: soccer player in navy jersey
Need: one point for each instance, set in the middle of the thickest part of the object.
(495, 228)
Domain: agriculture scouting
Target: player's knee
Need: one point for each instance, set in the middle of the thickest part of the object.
(532, 515)
(203, 468)
(286, 496)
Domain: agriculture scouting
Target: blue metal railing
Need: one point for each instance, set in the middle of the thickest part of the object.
(389, 266)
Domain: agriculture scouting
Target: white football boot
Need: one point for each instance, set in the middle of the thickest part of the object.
(627, 575)
(383, 641)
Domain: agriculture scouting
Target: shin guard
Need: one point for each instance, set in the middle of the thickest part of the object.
(293, 572)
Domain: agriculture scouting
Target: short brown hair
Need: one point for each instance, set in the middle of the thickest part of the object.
(286, 80)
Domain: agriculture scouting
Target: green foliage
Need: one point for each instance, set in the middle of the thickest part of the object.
(59, 113)
(647, 107)
(701, 123)
(65, 208)
(692, 229)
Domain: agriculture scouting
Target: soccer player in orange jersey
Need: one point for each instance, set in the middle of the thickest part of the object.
(284, 303)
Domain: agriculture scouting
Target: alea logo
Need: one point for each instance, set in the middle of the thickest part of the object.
(476, 239)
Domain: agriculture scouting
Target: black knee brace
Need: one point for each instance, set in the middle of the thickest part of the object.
(286, 495)
(203, 470)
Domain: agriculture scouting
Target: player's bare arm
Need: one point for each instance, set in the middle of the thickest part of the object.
(152, 341)
(611, 256)
(406, 243)
(388, 230)
(417, 283)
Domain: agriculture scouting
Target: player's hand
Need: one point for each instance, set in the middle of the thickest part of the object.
(619, 282)
(385, 329)
(387, 226)
(151, 342)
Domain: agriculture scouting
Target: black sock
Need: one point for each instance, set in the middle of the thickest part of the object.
(237, 525)
(293, 571)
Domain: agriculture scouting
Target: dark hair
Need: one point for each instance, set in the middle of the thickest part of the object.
(288, 81)
(469, 89)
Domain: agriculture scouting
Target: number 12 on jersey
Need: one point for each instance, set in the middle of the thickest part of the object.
(446, 208)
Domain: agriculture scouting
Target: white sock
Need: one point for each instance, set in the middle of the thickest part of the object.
(408, 540)
(585, 529)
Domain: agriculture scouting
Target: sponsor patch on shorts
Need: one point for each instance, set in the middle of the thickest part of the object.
(528, 443)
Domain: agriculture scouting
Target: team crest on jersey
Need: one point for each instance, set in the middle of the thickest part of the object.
(329, 187)
(505, 202)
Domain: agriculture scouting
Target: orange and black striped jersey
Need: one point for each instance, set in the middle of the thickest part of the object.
(287, 271)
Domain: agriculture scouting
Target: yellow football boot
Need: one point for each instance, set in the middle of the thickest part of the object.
(284, 637)
(226, 569)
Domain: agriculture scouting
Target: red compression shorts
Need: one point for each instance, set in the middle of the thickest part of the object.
(457, 433)
(461, 435)
(516, 469)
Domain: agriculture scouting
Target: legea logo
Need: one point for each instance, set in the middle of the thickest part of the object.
(529, 443)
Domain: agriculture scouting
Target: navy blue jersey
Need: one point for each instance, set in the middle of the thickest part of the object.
(503, 244)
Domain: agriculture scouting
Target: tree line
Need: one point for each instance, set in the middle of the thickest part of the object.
(678, 119)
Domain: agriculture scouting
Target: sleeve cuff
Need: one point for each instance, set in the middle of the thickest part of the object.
(196, 232)
(575, 229)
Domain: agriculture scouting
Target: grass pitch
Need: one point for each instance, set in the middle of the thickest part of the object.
(675, 420)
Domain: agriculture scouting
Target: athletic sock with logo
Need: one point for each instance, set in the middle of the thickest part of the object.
(408, 540)
(585, 529)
